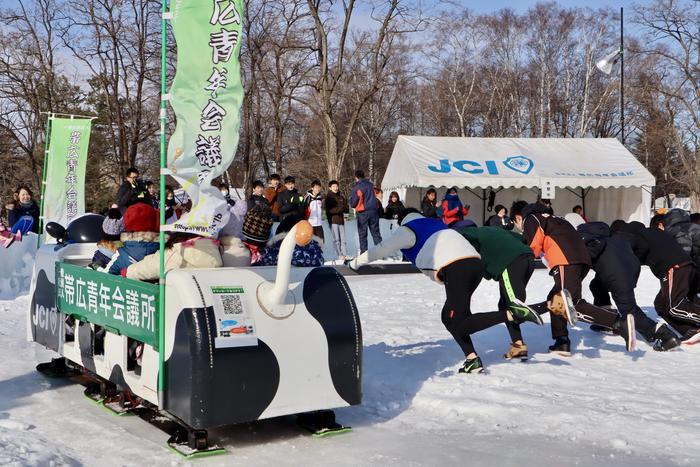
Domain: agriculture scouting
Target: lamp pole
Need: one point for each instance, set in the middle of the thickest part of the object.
(622, 78)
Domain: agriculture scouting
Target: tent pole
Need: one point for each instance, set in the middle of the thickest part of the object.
(161, 239)
(583, 200)
(49, 116)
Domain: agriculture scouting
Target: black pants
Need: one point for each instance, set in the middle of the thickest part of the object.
(674, 302)
(626, 303)
(513, 283)
(318, 231)
(367, 219)
(569, 277)
(461, 280)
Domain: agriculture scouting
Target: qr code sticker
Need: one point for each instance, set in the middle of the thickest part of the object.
(232, 304)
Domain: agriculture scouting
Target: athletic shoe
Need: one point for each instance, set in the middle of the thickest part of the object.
(472, 366)
(563, 305)
(665, 339)
(561, 346)
(520, 313)
(626, 329)
(597, 328)
(516, 351)
(691, 337)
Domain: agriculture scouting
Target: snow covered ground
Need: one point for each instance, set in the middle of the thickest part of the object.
(599, 407)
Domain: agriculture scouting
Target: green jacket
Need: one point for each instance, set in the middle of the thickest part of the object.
(497, 247)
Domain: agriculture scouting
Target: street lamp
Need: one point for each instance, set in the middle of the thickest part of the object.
(606, 65)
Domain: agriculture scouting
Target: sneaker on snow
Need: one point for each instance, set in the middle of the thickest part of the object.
(691, 337)
(516, 351)
(665, 339)
(561, 346)
(624, 326)
(563, 305)
(472, 366)
(520, 313)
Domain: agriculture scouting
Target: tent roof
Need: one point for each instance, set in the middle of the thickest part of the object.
(422, 161)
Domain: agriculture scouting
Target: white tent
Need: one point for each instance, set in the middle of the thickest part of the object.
(599, 174)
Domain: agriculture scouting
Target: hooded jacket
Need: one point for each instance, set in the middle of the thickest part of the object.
(677, 224)
(497, 247)
(137, 245)
(195, 253)
(613, 259)
(362, 196)
(553, 236)
(653, 247)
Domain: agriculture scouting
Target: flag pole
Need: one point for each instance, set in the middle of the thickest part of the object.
(163, 165)
(49, 116)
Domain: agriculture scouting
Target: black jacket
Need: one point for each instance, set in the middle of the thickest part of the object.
(394, 210)
(504, 222)
(654, 247)
(428, 209)
(613, 260)
(335, 205)
(256, 200)
(129, 194)
(677, 224)
(291, 203)
(20, 211)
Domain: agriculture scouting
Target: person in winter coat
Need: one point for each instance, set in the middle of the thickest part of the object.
(366, 205)
(568, 261)
(394, 207)
(508, 260)
(452, 208)
(290, 202)
(131, 191)
(617, 270)
(675, 271)
(153, 197)
(314, 207)
(112, 228)
(310, 255)
(500, 219)
(448, 258)
(379, 194)
(428, 207)
(24, 217)
(336, 207)
(140, 237)
(257, 226)
(274, 187)
(257, 196)
(182, 250)
(676, 222)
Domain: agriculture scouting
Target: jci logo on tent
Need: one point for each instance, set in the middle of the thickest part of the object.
(520, 164)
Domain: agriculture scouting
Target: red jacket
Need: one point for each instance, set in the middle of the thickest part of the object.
(454, 215)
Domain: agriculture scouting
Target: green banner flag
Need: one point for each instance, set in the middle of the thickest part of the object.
(206, 97)
(64, 193)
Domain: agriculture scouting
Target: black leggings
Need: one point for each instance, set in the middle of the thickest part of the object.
(513, 282)
(461, 280)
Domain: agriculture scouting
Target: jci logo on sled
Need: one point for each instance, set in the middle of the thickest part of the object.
(520, 164)
(45, 318)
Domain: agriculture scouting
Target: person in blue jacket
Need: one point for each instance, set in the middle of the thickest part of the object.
(140, 237)
(366, 207)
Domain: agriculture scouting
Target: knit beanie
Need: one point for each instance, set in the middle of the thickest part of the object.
(141, 217)
(113, 225)
(257, 224)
